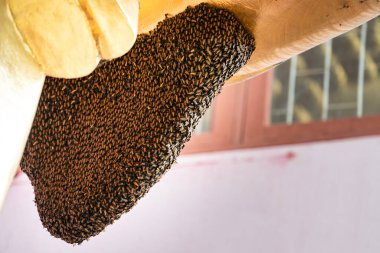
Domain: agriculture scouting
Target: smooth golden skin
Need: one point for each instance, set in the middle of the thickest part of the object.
(69, 37)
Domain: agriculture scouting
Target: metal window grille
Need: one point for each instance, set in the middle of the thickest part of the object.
(340, 78)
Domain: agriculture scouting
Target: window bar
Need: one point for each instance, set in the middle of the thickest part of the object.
(326, 80)
(291, 90)
(199, 128)
(360, 98)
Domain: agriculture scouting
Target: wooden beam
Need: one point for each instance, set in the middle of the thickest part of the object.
(21, 81)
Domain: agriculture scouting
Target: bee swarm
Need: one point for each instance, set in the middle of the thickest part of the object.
(98, 143)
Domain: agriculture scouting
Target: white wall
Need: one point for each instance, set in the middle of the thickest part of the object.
(321, 197)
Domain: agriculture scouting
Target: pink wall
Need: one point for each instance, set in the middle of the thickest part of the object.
(321, 197)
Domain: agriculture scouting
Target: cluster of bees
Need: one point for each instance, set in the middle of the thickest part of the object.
(99, 143)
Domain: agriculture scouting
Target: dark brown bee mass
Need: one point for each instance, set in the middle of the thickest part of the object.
(99, 143)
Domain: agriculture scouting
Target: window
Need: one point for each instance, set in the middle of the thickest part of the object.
(338, 79)
(329, 92)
